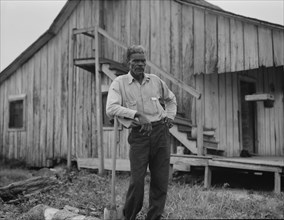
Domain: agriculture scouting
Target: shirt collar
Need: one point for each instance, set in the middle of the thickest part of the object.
(131, 79)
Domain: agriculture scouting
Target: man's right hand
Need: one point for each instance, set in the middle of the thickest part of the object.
(146, 126)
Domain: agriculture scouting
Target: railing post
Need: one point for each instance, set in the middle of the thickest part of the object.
(200, 122)
(99, 105)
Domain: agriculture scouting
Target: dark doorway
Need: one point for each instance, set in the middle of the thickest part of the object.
(248, 117)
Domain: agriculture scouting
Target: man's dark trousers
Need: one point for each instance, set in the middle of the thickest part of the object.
(155, 151)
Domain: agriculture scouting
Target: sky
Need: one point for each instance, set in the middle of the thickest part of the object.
(23, 21)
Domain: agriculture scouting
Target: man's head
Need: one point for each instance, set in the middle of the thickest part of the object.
(136, 60)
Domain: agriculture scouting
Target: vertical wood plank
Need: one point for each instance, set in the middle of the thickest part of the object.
(155, 34)
(2, 104)
(30, 118)
(260, 114)
(10, 134)
(278, 47)
(109, 27)
(145, 28)
(80, 147)
(267, 133)
(86, 126)
(211, 50)
(265, 47)
(224, 62)
(280, 76)
(57, 98)
(135, 22)
(272, 115)
(187, 61)
(162, 41)
(229, 115)
(211, 80)
(277, 109)
(50, 97)
(237, 45)
(64, 53)
(199, 41)
(43, 104)
(236, 115)
(222, 112)
(36, 109)
(17, 137)
(99, 108)
(94, 151)
(176, 50)
(71, 89)
(24, 82)
(250, 46)
(5, 120)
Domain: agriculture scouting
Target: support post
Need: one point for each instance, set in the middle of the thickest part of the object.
(277, 182)
(70, 103)
(207, 177)
(99, 105)
(200, 122)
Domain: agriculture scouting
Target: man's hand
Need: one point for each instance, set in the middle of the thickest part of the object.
(169, 122)
(146, 126)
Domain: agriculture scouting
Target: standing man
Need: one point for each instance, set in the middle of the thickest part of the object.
(135, 98)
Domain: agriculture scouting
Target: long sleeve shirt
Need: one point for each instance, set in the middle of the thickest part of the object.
(126, 96)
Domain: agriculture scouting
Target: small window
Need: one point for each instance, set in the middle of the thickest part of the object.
(16, 112)
(106, 120)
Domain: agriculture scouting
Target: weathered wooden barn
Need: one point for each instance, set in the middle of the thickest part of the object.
(225, 69)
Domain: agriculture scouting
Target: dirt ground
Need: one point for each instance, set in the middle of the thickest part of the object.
(90, 193)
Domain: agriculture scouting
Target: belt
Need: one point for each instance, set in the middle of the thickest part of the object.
(154, 124)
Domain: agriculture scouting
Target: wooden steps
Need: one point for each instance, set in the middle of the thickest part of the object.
(184, 132)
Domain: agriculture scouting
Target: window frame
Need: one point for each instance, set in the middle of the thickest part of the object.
(13, 98)
(104, 91)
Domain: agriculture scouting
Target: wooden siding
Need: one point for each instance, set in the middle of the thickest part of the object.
(207, 51)
(222, 110)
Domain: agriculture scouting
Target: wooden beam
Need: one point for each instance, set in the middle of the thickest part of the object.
(200, 123)
(108, 72)
(94, 163)
(189, 161)
(70, 100)
(259, 97)
(277, 182)
(99, 106)
(85, 31)
(236, 165)
(182, 137)
(182, 85)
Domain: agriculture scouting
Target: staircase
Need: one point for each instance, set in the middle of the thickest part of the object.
(183, 130)
(185, 133)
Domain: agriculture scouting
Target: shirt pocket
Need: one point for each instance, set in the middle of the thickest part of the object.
(151, 105)
(131, 105)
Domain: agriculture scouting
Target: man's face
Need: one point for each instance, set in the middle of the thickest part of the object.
(137, 64)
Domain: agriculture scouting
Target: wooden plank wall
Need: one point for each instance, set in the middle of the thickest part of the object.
(194, 45)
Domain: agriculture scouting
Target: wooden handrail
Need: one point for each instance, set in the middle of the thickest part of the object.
(175, 81)
(187, 88)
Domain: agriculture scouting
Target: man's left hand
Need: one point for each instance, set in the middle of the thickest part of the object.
(169, 122)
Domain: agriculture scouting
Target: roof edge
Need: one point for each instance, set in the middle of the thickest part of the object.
(41, 41)
(230, 14)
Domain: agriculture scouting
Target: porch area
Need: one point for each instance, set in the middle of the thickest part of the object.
(254, 163)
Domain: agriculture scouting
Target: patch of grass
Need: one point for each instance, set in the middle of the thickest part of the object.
(8, 176)
(91, 193)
